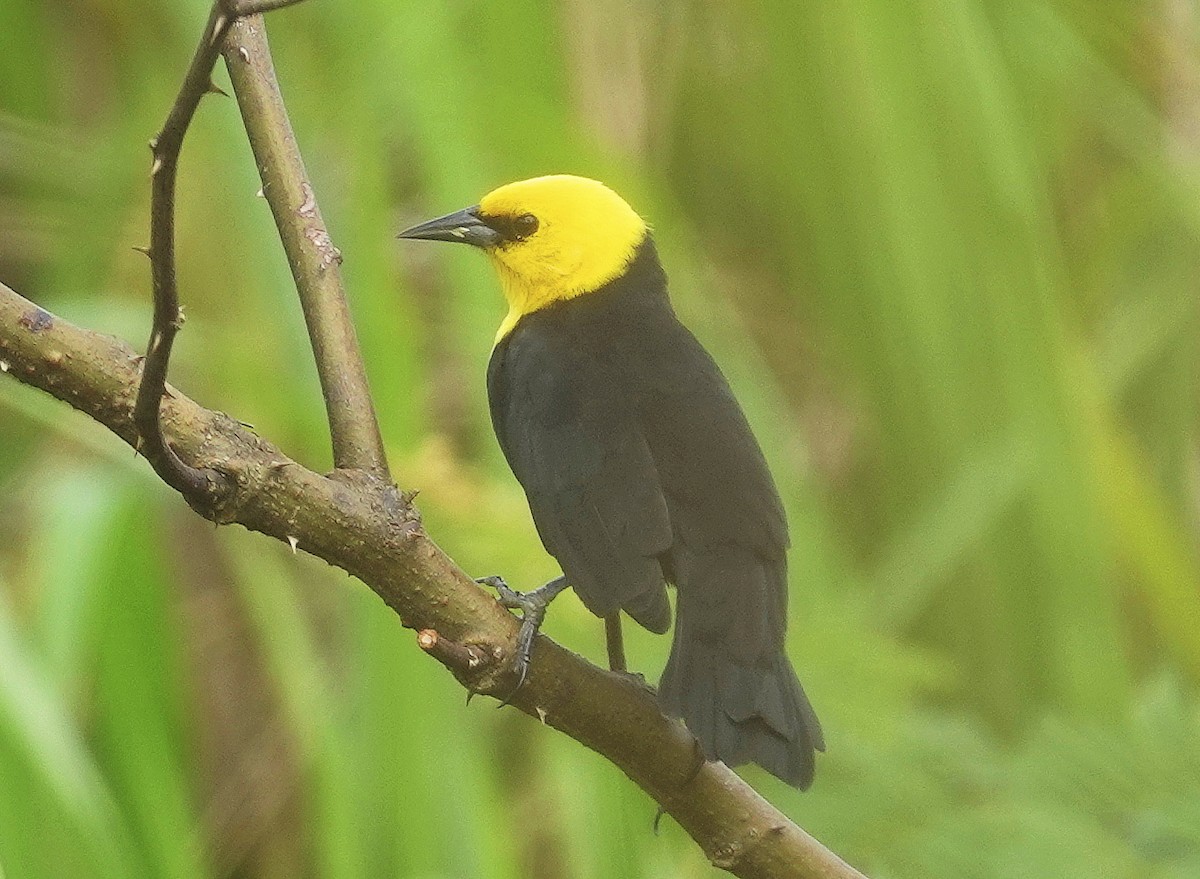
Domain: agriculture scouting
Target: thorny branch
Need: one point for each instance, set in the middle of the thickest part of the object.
(353, 426)
(359, 521)
(369, 531)
(200, 487)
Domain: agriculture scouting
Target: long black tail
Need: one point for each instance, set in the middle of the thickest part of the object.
(728, 676)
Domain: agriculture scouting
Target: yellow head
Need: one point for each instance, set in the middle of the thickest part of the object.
(550, 238)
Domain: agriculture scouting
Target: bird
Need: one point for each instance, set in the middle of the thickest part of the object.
(639, 465)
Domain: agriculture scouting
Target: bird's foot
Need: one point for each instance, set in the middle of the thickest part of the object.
(533, 611)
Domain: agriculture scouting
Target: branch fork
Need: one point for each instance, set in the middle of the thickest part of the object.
(357, 444)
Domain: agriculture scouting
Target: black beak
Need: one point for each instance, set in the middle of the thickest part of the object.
(465, 227)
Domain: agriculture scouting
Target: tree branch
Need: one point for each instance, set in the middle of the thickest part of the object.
(354, 431)
(368, 529)
(199, 486)
(314, 260)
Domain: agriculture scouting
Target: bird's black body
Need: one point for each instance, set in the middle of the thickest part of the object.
(640, 469)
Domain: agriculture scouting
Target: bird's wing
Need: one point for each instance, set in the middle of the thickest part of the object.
(569, 432)
(728, 675)
(710, 465)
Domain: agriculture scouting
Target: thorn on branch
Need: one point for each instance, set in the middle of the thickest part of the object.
(144, 251)
(214, 89)
(219, 25)
(658, 816)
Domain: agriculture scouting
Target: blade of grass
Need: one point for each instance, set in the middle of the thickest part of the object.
(141, 718)
(37, 730)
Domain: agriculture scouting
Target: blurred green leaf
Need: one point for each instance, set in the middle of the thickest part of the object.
(41, 743)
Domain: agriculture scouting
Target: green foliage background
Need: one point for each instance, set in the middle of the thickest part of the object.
(947, 251)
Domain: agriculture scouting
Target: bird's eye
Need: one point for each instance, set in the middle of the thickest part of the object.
(524, 226)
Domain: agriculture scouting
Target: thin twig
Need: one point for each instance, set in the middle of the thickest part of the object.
(196, 485)
(462, 659)
(315, 262)
(357, 526)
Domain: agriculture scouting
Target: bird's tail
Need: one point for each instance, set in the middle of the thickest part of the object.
(728, 676)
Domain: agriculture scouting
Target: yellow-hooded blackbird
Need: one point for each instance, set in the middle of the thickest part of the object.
(638, 463)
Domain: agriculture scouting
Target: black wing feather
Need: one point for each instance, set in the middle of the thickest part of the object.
(710, 464)
(572, 440)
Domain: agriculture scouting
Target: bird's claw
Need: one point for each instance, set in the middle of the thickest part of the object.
(510, 598)
(495, 581)
(533, 611)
